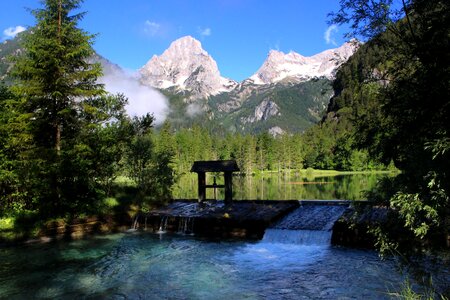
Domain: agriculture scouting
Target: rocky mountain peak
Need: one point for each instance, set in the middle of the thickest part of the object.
(280, 66)
(185, 66)
(280, 57)
(185, 47)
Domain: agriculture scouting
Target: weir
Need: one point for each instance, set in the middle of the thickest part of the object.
(299, 221)
(310, 224)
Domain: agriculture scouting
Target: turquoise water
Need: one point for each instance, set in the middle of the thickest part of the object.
(149, 266)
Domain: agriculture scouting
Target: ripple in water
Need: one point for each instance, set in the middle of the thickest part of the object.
(146, 266)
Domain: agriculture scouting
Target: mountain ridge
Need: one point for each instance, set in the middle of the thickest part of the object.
(279, 66)
(186, 67)
(287, 100)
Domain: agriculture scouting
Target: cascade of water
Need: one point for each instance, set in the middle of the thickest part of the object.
(311, 217)
(135, 222)
(302, 237)
(186, 225)
(162, 225)
(307, 225)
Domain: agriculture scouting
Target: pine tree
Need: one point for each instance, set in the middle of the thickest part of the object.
(54, 78)
(54, 73)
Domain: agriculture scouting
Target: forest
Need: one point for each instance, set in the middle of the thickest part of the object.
(65, 140)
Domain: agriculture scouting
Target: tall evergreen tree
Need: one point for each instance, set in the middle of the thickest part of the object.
(54, 78)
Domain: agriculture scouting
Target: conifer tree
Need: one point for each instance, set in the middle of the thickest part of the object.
(54, 78)
(54, 73)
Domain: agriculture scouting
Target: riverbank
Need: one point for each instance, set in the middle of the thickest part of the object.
(58, 229)
(113, 214)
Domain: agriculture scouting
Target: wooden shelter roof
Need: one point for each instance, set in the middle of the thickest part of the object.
(215, 166)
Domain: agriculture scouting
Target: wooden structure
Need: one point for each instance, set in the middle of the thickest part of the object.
(225, 166)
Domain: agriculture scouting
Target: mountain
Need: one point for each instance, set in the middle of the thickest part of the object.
(12, 47)
(289, 92)
(185, 67)
(275, 108)
(294, 67)
(8, 48)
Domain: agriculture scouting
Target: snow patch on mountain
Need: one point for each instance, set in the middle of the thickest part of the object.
(185, 66)
(294, 67)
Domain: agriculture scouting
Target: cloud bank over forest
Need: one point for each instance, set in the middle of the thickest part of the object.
(141, 99)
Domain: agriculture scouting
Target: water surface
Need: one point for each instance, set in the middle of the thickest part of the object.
(151, 266)
(279, 186)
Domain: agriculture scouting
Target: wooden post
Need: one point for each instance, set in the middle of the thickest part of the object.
(228, 187)
(215, 188)
(201, 186)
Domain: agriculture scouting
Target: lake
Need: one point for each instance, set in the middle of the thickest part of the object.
(280, 186)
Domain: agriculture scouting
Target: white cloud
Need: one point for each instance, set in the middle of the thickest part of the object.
(141, 99)
(193, 109)
(328, 35)
(13, 31)
(151, 28)
(204, 31)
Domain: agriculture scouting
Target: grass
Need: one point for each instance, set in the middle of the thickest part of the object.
(407, 292)
(321, 173)
(30, 225)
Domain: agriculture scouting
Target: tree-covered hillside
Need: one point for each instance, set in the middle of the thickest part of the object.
(394, 93)
(8, 49)
(298, 107)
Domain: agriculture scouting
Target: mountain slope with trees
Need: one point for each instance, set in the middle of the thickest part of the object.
(395, 94)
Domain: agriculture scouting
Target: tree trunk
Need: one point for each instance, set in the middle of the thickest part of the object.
(58, 138)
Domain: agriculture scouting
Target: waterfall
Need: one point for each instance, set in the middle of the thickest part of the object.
(186, 225)
(302, 237)
(134, 224)
(162, 225)
(307, 225)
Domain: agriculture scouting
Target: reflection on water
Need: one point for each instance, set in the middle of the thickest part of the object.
(279, 186)
(145, 266)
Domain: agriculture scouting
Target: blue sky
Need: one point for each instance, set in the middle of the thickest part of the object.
(238, 34)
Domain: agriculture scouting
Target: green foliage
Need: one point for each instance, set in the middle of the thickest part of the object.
(53, 81)
(13, 142)
(407, 292)
(151, 161)
(62, 137)
(369, 18)
(396, 87)
(264, 152)
(140, 151)
(425, 213)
